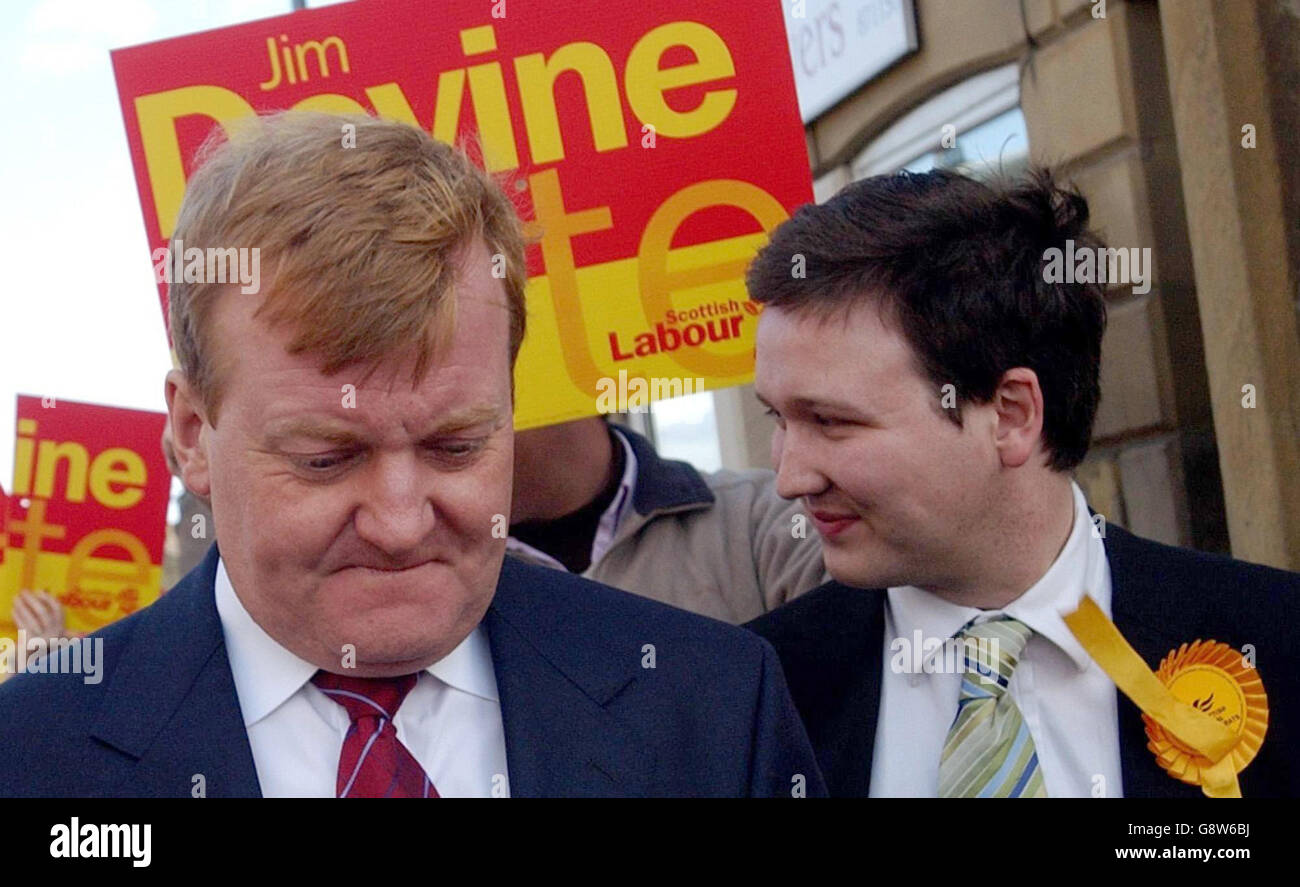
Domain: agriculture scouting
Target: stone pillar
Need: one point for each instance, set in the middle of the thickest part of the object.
(1245, 284)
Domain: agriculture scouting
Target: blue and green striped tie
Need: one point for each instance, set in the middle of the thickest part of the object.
(989, 752)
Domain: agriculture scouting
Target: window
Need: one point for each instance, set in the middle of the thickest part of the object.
(975, 127)
(999, 144)
(686, 428)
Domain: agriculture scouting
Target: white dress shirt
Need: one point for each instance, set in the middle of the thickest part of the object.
(609, 520)
(1068, 702)
(450, 721)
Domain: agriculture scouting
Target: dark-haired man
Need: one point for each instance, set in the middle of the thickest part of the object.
(933, 389)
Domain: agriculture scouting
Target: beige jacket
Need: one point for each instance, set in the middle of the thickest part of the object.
(724, 544)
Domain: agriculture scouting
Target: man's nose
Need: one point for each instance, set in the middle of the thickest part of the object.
(396, 515)
(795, 461)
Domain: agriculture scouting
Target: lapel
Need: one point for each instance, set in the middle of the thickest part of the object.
(863, 649)
(172, 705)
(555, 673)
(1156, 613)
(830, 643)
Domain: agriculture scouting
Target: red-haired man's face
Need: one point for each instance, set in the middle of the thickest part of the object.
(359, 518)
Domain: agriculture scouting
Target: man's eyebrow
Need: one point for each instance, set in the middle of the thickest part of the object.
(313, 429)
(332, 432)
(812, 405)
(469, 417)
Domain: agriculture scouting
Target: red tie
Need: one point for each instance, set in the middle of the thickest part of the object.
(374, 764)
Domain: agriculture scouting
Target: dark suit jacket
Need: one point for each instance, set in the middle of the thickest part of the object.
(581, 714)
(831, 644)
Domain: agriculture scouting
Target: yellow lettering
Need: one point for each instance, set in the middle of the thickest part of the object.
(118, 466)
(536, 77)
(658, 283)
(390, 102)
(300, 51)
(446, 111)
(135, 574)
(558, 227)
(158, 113)
(48, 455)
(487, 88)
(646, 83)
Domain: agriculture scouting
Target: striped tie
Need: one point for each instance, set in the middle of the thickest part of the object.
(989, 752)
(374, 763)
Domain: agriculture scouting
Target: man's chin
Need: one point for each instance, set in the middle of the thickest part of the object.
(384, 669)
(402, 634)
(399, 651)
(859, 571)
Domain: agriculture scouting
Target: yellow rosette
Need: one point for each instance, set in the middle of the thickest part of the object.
(1205, 709)
(1212, 678)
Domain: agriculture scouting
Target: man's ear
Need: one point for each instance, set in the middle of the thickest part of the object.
(1018, 404)
(186, 420)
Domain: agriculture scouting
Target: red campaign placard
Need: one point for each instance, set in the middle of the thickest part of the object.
(629, 131)
(87, 511)
(87, 467)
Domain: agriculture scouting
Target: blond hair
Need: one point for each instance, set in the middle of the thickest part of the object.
(363, 241)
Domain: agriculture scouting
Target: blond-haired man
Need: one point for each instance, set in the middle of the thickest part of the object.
(354, 631)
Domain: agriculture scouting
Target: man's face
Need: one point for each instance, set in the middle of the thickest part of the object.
(893, 486)
(364, 519)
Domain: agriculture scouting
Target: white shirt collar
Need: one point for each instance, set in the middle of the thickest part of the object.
(1077, 569)
(266, 674)
(610, 520)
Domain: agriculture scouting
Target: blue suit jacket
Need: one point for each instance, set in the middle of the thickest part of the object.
(831, 643)
(581, 715)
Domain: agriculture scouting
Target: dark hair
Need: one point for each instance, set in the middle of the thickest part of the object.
(958, 265)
